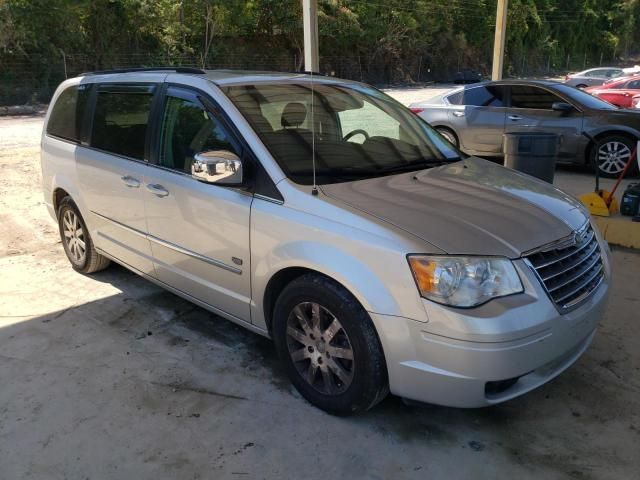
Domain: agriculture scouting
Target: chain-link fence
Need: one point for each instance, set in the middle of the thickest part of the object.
(34, 79)
(536, 65)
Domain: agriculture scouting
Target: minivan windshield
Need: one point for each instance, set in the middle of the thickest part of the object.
(357, 132)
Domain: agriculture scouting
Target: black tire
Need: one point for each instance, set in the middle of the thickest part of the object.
(89, 262)
(612, 168)
(368, 382)
(449, 135)
(582, 85)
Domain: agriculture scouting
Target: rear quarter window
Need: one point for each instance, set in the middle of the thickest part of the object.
(67, 115)
(456, 98)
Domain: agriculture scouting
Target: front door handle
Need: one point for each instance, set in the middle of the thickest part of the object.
(458, 114)
(129, 181)
(157, 190)
(515, 118)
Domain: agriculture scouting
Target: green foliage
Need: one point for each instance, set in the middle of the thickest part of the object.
(376, 40)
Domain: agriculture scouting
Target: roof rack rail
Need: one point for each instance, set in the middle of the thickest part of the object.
(147, 69)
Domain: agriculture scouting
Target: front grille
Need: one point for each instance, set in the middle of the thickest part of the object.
(572, 270)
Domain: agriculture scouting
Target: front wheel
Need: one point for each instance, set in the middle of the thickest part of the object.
(611, 153)
(329, 346)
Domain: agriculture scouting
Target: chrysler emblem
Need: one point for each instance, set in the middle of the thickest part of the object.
(578, 237)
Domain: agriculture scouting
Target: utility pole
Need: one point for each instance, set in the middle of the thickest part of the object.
(310, 22)
(498, 44)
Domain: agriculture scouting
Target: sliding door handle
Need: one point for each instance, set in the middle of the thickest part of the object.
(129, 181)
(157, 190)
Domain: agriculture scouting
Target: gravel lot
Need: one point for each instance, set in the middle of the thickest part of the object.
(109, 377)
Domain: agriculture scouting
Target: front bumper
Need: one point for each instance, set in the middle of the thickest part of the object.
(521, 344)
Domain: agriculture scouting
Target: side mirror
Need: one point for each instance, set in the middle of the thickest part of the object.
(562, 107)
(217, 166)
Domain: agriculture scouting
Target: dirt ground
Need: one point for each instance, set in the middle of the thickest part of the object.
(109, 377)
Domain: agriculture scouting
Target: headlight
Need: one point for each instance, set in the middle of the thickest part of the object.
(464, 281)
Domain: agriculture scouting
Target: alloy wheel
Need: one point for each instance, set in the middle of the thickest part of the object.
(449, 136)
(74, 236)
(613, 157)
(320, 348)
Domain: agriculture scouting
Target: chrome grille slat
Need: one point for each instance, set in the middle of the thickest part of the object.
(555, 260)
(576, 275)
(570, 273)
(574, 291)
(580, 298)
(585, 258)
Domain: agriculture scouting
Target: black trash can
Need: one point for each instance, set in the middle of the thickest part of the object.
(533, 153)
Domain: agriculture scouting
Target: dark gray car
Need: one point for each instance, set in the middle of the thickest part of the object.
(475, 117)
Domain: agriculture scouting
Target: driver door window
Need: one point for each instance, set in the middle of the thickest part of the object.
(532, 110)
(188, 129)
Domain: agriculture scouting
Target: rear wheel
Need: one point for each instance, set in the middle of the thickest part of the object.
(329, 346)
(76, 240)
(611, 153)
(449, 135)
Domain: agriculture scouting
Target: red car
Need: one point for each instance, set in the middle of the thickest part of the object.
(618, 92)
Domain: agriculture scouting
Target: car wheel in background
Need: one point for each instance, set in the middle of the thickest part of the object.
(76, 240)
(611, 153)
(329, 346)
(449, 135)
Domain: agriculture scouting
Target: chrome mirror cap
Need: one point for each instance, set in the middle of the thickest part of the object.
(217, 166)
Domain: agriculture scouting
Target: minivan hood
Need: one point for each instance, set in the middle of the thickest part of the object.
(471, 207)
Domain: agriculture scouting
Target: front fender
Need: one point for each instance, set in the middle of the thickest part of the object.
(330, 261)
(367, 258)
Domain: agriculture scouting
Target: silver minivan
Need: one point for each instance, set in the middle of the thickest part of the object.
(321, 213)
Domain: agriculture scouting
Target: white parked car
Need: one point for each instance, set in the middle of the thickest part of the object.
(325, 215)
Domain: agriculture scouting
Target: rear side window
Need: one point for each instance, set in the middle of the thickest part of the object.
(490, 96)
(634, 84)
(67, 115)
(120, 120)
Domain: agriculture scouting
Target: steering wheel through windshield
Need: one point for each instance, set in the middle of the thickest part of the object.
(353, 133)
